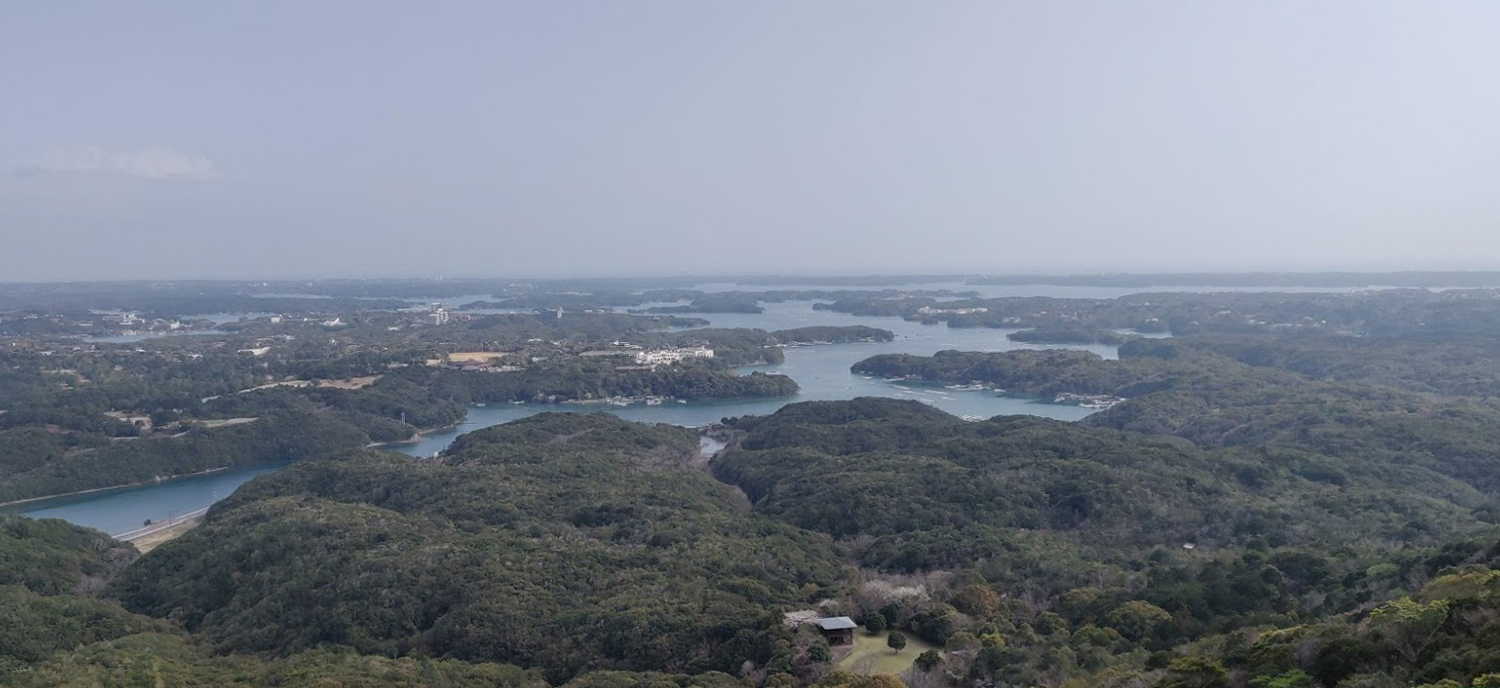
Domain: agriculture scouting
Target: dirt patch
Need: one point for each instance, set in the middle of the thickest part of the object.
(148, 542)
(219, 423)
(473, 356)
(351, 383)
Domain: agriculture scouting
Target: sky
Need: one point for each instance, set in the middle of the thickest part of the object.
(528, 139)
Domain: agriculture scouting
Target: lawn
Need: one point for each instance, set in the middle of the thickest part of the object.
(870, 656)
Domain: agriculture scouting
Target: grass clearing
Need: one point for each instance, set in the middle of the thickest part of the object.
(870, 656)
(351, 382)
(473, 356)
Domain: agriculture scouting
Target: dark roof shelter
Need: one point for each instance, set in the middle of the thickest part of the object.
(837, 630)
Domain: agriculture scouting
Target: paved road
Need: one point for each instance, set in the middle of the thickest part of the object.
(160, 525)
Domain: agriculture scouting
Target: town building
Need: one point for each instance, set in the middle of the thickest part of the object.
(929, 310)
(124, 319)
(667, 356)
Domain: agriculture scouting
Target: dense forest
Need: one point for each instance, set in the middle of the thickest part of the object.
(1062, 334)
(610, 550)
(596, 382)
(817, 334)
(1112, 558)
(1294, 491)
(59, 632)
(1035, 551)
(714, 303)
(66, 448)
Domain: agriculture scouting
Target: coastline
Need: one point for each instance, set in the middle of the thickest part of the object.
(620, 401)
(417, 437)
(145, 542)
(1091, 401)
(154, 481)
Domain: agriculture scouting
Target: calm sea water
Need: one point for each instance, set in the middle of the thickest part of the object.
(821, 371)
(125, 509)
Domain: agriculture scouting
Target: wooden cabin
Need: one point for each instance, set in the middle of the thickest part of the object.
(837, 630)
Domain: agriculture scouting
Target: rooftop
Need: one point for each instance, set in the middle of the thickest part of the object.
(836, 623)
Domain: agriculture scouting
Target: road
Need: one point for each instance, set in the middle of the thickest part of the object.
(160, 526)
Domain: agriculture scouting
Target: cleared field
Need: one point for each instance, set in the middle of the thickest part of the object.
(273, 385)
(870, 656)
(473, 356)
(219, 423)
(346, 383)
(351, 383)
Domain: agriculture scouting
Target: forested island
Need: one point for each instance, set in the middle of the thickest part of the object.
(1357, 280)
(714, 303)
(1067, 335)
(825, 334)
(1404, 313)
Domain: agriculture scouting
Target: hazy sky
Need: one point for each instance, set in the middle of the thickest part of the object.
(292, 139)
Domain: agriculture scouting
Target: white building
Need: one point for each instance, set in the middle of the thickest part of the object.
(124, 319)
(666, 356)
(929, 310)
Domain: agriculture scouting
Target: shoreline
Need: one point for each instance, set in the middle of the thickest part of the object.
(148, 541)
(1098, 402)
(414, 439)
(663, 401)
(155, 528)
(154, 481)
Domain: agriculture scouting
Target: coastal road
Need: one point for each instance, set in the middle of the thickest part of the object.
(160, 526)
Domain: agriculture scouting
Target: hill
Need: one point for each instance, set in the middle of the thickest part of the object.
(565, 542)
